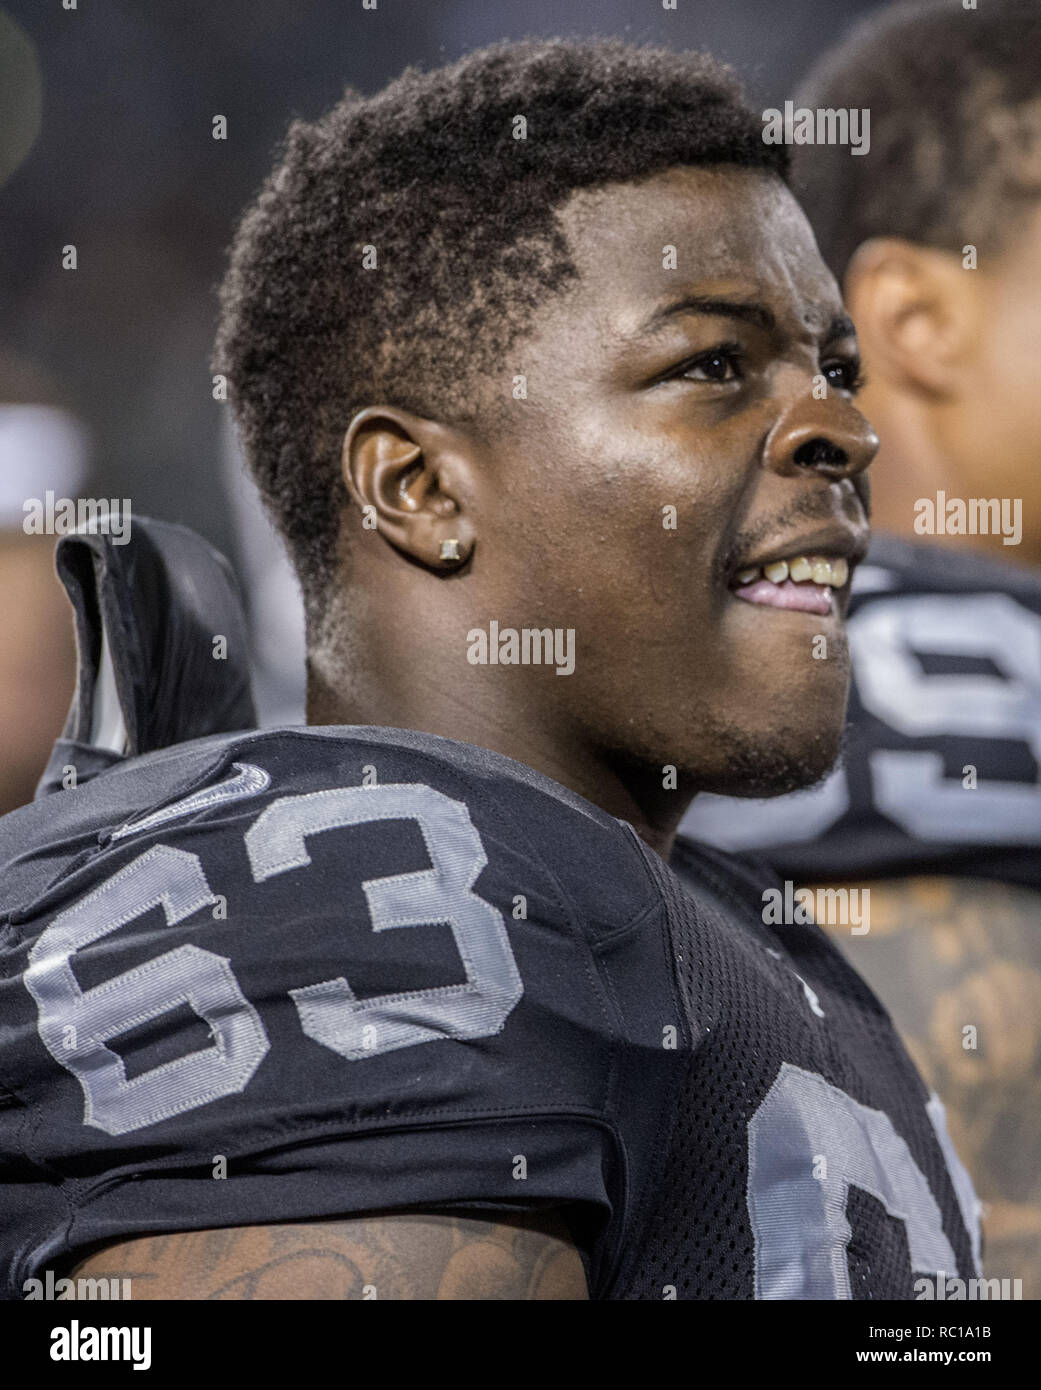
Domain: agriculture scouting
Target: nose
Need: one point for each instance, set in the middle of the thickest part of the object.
(828, 438)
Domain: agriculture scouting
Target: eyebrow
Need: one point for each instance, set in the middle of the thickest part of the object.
(751, 311)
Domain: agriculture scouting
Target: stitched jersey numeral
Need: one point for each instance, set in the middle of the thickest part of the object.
(808, 1143)
(77, 1024)
(911, 787)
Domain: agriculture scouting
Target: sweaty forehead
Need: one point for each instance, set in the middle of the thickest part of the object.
(727, 226)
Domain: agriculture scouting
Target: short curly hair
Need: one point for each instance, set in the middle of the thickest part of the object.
(404, 240)
(955, 102)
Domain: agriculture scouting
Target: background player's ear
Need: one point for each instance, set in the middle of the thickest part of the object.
(915, 309)
(410, 479)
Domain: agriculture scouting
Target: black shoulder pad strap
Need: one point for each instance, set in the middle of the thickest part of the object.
(150, 609)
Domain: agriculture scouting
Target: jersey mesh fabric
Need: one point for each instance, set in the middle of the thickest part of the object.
(746, 1011)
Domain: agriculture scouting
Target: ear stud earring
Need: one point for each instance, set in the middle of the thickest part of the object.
(450, 550)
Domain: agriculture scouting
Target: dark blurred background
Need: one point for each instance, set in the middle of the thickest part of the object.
(124, 167)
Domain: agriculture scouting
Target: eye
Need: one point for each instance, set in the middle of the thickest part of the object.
(844, 374)
(722, 364)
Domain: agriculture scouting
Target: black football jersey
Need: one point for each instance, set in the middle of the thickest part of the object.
(310, 973)
(941, 771)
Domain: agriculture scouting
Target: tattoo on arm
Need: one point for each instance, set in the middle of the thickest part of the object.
(957, 962)
(396, 1256)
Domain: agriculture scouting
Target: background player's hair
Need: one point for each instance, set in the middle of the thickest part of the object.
(461, 214)
(955, 103)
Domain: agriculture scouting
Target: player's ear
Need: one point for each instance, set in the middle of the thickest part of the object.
(916, 311)
(411, 480)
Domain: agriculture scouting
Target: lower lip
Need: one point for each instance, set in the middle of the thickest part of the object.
(800, 598)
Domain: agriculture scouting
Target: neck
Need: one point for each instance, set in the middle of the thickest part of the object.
(909, 465)
(436, 696)
(919, 458)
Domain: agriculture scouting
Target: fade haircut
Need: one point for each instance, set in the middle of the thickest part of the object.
(955, 102)
(462, 216)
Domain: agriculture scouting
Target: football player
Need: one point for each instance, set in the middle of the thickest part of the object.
(936, 236)
(409, 1003)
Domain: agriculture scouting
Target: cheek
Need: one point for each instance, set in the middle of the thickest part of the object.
(615, 522)
(670, 522)
(635, 504)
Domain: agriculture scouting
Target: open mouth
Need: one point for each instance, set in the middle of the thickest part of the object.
(804, 583)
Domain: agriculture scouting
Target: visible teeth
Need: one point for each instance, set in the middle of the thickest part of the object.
(821, 572)
(817, 568)
(800, 569)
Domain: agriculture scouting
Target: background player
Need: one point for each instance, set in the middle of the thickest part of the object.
(936, 238)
